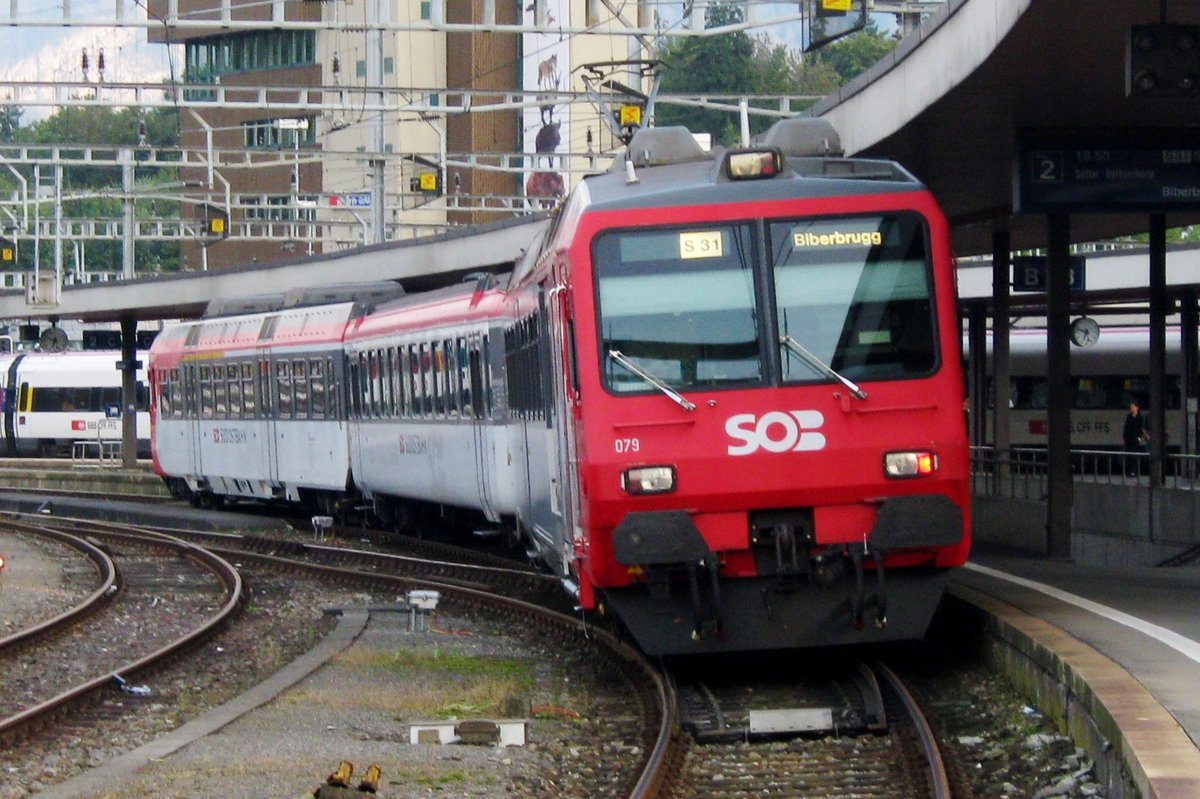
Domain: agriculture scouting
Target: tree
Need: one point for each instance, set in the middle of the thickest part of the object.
(734, 63)
(854, 54)
(10, 122)
(93, 192)
(708, 65)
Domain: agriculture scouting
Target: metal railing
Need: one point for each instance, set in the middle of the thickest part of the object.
(1023, 474)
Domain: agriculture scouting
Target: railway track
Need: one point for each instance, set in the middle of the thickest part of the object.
(701, 744)
(849, 730)
(156, 596)
(468, 590)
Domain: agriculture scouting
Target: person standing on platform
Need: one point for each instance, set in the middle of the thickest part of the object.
(1135, 435)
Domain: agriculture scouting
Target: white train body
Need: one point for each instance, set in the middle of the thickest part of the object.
(248, 405)
(52, 400)
(1104, 378)
(432, 421)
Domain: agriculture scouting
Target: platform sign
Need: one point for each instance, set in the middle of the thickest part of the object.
(362, 200)
(1135, 171)
(825, 21)
(1029, 273)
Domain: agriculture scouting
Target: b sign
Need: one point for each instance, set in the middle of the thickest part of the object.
(1030, 271)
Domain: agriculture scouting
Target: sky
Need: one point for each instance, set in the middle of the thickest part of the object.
(55, 53)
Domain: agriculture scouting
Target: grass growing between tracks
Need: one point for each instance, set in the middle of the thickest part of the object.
(437, 684)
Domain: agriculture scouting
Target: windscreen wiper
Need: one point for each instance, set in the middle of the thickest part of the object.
(675, 396)
(820, 366)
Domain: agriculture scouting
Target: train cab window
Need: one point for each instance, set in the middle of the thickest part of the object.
(853, 294)
(679, 305)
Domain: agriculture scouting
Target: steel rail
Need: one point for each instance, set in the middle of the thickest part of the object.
(17, 725)
(939, 779)
(662, 753)
(108, 588)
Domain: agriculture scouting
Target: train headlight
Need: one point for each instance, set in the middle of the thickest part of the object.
(753, 164)
(910, 464)
(648, 480)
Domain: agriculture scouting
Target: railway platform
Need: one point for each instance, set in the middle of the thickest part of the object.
(95, 476)
(1114, 652)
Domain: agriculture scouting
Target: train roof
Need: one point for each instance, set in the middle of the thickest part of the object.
(72, 362)
(464, 302)
(666, 167)
(305, 297)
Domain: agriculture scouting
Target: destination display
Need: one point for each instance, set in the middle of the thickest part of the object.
(1153, 171)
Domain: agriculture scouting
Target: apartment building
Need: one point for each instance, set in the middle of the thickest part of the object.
(298, 182)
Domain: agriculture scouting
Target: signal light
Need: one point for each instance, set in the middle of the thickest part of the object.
(216, 221)
(2, 562)
(426, 183)
(910, 464)
(8, 252)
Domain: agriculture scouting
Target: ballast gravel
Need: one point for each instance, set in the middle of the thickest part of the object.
(582, 732)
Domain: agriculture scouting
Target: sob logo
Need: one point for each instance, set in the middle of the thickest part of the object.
(776, 431)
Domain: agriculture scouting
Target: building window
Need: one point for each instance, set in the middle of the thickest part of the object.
(208, 58)
(267, 134)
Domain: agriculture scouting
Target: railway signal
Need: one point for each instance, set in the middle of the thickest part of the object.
(216, 221)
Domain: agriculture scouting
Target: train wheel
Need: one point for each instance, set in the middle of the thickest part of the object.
(210, 501)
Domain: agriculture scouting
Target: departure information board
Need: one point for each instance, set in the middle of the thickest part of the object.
(1129, 171)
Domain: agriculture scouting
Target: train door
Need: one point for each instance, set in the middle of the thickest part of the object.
(191, 415)
(269, 412)
(471, 360)
(9, 406)
(562, 399)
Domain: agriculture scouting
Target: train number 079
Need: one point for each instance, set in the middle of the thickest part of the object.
(624, 445)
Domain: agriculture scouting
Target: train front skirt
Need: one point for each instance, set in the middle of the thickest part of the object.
(761, 613)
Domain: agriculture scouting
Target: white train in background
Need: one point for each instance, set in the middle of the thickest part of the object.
(1104, 378)
(51, 400)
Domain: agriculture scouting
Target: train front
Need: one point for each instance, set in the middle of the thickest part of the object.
(769, 417)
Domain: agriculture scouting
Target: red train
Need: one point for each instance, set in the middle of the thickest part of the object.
(721, 398)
